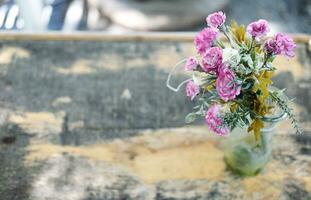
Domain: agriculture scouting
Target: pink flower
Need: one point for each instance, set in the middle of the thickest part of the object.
(216, 19)
(214, 121)
(281, 44)
(192, 90)
(212, 59)
(204, 39)
(226, 88)
(272, 47)
(191, 64)
(258, 28)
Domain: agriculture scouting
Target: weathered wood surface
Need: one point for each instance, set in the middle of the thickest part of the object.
(92, 119)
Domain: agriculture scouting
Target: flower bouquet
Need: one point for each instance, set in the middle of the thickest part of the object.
(232, 88)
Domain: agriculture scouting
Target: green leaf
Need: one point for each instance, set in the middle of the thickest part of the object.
(245, 120)
(271, 58)
(276, 96)
(190, 118)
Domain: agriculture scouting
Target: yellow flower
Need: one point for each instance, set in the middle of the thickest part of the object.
(256, 126)
(263, 82)
(238, 32)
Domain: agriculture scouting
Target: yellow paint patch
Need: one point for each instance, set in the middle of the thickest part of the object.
(258, 188)
(40, 123)
(44, 151)
(265, 185)
(61, 100)
(136, 62)
(111, 62)
(164, 58)
(153, 157)
(187, 153)
(307, 178)
(8, 53)
(307, 181)
(195, 161)
(167, 58)
(75, 125)
(269, 184)
(79, 67)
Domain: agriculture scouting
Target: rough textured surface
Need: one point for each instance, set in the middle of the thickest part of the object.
(68, 177)
(93, 120)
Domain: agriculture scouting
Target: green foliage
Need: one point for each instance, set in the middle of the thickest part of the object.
(276, 96)
(235, 119)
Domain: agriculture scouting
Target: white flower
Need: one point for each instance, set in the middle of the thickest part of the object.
(231, 56)
(199, 78)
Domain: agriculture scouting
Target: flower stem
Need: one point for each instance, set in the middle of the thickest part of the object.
(252, 43)
(224, 30)
(220, 44)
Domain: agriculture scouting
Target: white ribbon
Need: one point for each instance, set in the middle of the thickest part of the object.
(171, 74)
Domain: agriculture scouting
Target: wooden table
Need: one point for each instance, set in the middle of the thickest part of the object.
(88, 116)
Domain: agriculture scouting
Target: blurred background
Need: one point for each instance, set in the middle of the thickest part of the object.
(122, 16)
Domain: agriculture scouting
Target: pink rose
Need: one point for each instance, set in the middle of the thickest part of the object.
(258, 28)
(214, 121)
(226, 89)
(191, 64)
(281, 44)
(205, 39)
(192, 90)
(216, 19)
(212, 59)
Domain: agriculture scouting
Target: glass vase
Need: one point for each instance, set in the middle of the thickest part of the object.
(244, 155)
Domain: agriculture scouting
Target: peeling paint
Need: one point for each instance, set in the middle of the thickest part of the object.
(183, 156)
(189, 153)
(7, 54)
(61, 100)
(38, 123)
(78, 67)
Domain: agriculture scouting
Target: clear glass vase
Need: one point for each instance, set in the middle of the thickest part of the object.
(243, 154)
